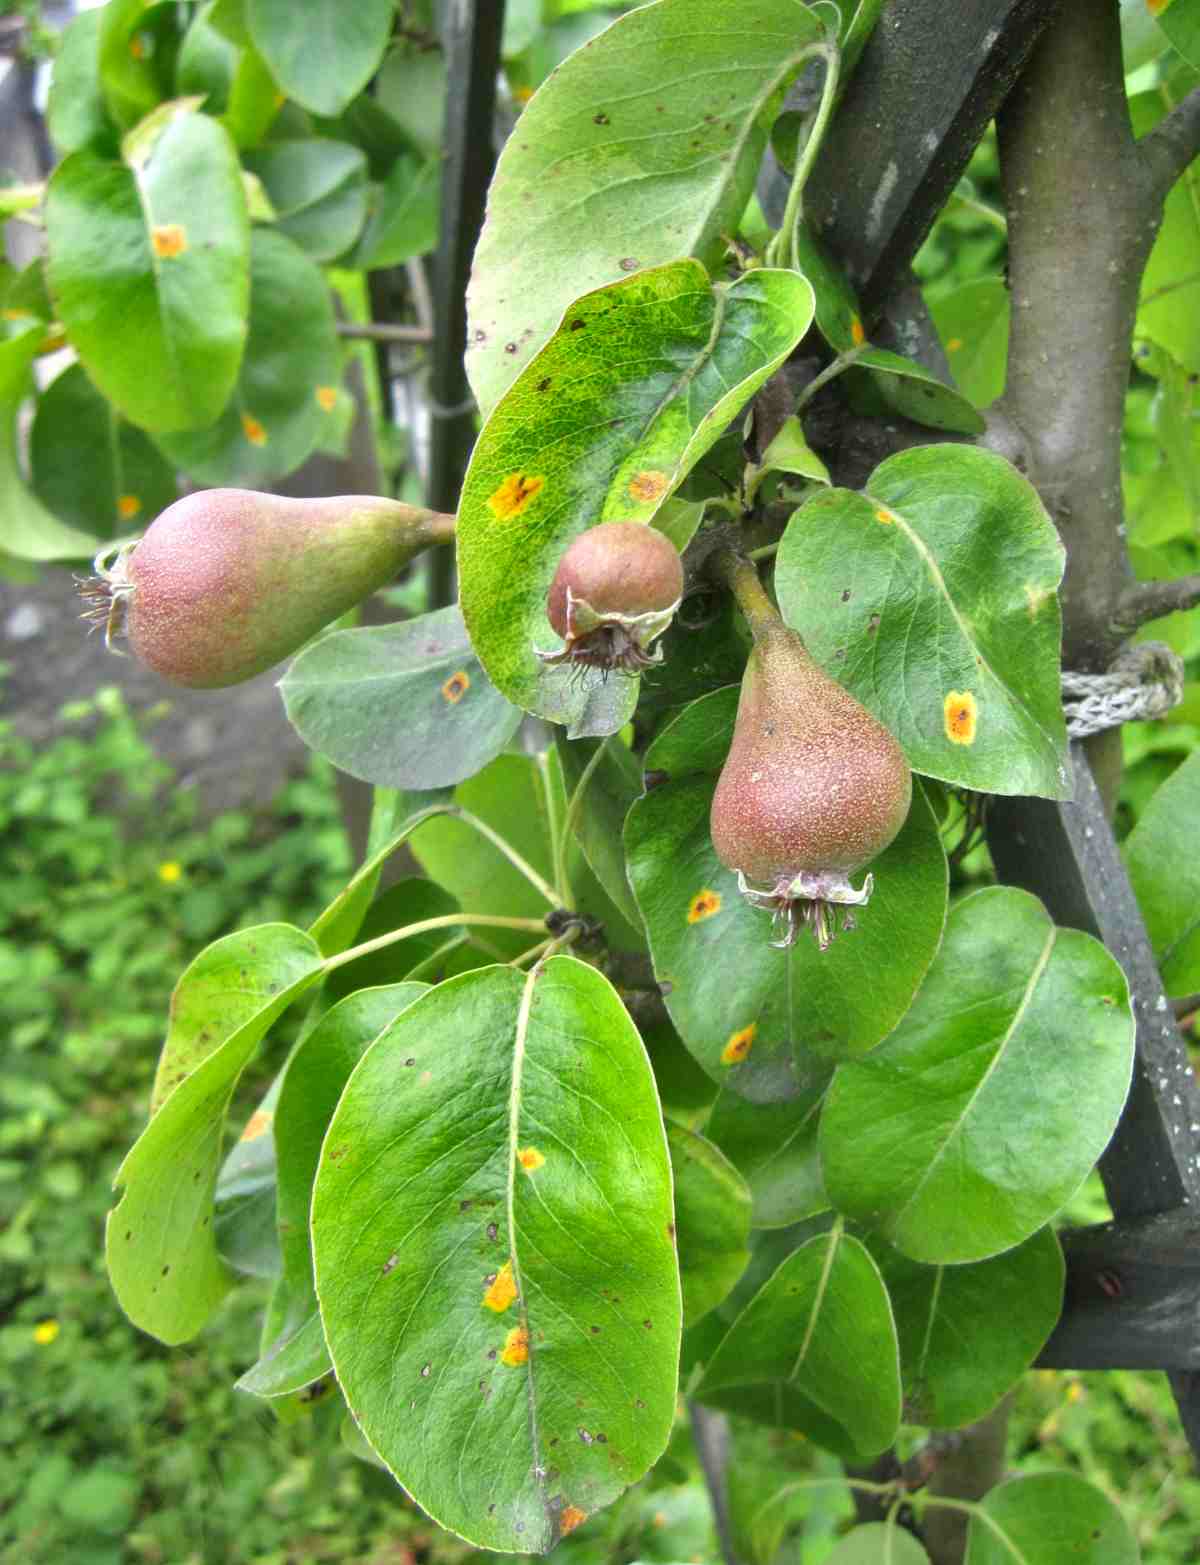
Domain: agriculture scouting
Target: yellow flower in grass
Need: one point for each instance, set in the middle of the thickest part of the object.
(45, 1332)
(170, 872)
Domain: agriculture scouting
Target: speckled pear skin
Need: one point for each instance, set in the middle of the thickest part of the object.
(812, 783)
(617, 568)
(226, 582)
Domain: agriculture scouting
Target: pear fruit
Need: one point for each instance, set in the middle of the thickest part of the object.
(226, 582)
(813, 788)
(616, 590)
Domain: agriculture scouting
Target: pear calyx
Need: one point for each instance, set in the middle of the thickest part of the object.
(615, 591)
(227, 582)
(813, 788)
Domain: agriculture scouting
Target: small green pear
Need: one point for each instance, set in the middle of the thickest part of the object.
(813, 788)
(226, 582)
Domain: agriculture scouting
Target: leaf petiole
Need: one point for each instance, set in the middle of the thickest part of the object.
(445, 921)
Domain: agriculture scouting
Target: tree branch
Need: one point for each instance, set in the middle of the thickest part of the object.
(1152, 599)
(1173, 143)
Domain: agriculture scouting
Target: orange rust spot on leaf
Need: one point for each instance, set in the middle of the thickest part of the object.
(128, 505)
(960, 713)
(253, 430)
(571, 1517)
(954, 345)
(516, 1347)
(503, 1290)
(885, 517)
(456, 687)
(326, 398)
(168, 240)
(739, 1045)
(257, 1125)
(516, 493)
(1157, 7)
(703, 905)
(648, 485)
(530, 1158)
(857, 335)
(137, 47)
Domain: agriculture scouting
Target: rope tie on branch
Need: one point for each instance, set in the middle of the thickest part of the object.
(1144, 681)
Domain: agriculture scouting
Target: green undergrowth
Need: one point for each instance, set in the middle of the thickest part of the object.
(121, 1450)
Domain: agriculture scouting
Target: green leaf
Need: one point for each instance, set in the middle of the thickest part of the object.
(319, 191)
(967, 1129)
(972, 321)
(1181, 23)
(403, 706)
(287, 387)
(28, 531)
(411, 86)
(91, 468)
(323, 53)
(402, 215)
(773, 1033)
(76, 115)
(968, 1333)
(640, 148)
(839, 318)
(494, 1265)
(774, 1147)
(407, 901)
(137, 42)
(632, 390)
(149, 270)
(878, 1543)
(162, 1256)
(880, 377)
(1165, 870)
(820, 1330)
(312, 1084)
(790, 452)
(1169, 308)
(207, 61)
(932, 597)
(611, 781)
(1046, 1518)
(712, 1221)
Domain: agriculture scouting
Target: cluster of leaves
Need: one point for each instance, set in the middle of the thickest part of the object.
(486, 1244)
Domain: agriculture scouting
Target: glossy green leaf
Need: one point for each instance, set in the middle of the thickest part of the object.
(407, 901)
(162, 1256)
(773, 1033)
(878, 1543)
(493, 1257)
(319, 191)
(900, 385)
(635, 386)
(968, 1333)
(149, 270)
(324, 52)
(287, 387)
(640, 148)
(1181, 23)
(606, 784)
(402, 215)
(89, 466)
(774, 1147)
(311, 1086)
(967, 1129)
(206, 62)
(790, 452)
(972, 321)
(932, 597)
(839, 318)
(76, 114)
(1046, 1519)
(821, 1329)
(712, 1221)
(1164, 867)
(404, 705)
(1169, 307)
(137, 41)
(28, 531)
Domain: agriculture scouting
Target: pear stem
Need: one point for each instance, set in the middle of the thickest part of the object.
(740, 576)
(438, 527)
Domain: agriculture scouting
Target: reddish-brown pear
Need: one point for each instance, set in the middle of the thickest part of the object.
(615, 591)
(813, 787)
(226, 582)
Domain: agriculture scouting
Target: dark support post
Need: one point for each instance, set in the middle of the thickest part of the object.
(471, 40)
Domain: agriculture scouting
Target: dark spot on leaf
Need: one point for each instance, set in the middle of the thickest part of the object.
(554, 1441)
(410, 1061)
(603, 1439)
(492, 1231)
(491, 1353)
(464, 1206)
(577, 325)
(654, 779)
(600, 119)
(425, 1368)
(391, 1263)
(129, 1233)
(872, 624)
(481, 336)
(510, 347)
(629, 263)
(649, 1325)
(520, 1527)
(637, 1402)
(666, 987)
(165, 1270)
(595, 1331)
(491, 1510)
(846, 595)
